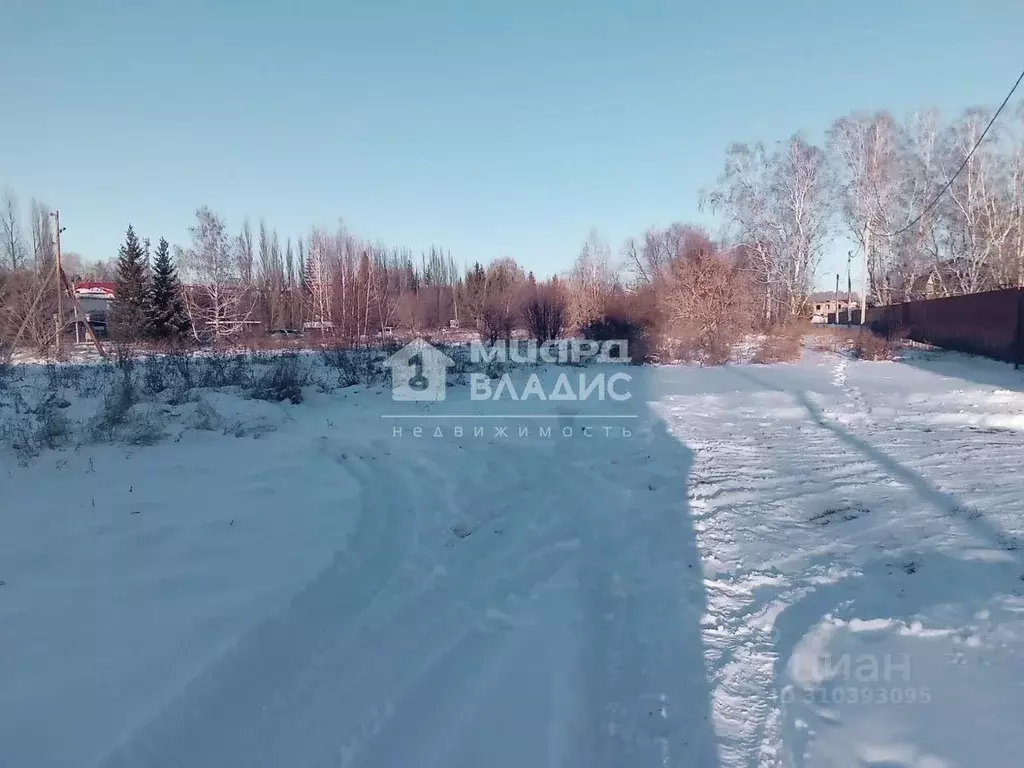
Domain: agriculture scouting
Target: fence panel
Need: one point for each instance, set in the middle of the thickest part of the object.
(987, 323)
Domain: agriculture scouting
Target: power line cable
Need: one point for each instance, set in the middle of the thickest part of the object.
(948, 184)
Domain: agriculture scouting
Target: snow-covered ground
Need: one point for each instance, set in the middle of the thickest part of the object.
(809, 564)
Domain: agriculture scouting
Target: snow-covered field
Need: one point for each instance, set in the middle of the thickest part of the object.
(809, 564)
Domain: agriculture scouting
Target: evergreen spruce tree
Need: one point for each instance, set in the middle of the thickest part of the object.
(167, 318)
(129, 317)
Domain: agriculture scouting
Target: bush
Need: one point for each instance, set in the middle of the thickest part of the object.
(355, 366)
(124, 356)
(118, 419)
(37, 429)
(180, 360)
(284, 381)
(143, 429)
(217, 371)
(781, 345)
(631, 318)
(545, 311)
(498, 318)
(21, 436)
(617, 328)
(155, 374)
(830, 339)
(692, 348)
(114, 412)
(869, 346)
(708, 301)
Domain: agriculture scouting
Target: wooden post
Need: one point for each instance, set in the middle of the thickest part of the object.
(867, 277)
(60, 291)
(837, 299)
(849, 287)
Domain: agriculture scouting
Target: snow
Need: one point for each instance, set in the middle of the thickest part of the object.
(807, 564)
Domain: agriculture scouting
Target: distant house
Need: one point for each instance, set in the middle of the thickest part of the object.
(824, 309)
(95, 299)
(929, 283)
(95, 289)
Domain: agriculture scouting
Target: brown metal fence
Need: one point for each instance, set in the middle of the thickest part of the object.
(989, 324)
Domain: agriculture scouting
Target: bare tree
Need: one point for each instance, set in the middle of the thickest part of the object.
(13, 246)
(27, 304)
(742, 196)
(386, 274)
(979, 218)
(652, 257)
(545, 310)
(1013, 260)
(244, 251)
(318, 304)
(73, 264)
(803, 186)
(100, 271)
(44, 248)
(502, 299)
(864, 150)
(216, 300)
(706, 298)
(910, 243)
(779, 207)
(590, 281)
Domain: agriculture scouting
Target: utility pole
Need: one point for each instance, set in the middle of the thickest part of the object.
(60, 288)
(837, 299)
(864, 282)
(849, 287)
(63, 286)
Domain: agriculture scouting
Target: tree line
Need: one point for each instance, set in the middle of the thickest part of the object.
(885, 185)
(781, 208)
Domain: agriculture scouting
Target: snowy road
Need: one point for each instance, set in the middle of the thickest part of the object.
(558, 626)
(801, 565)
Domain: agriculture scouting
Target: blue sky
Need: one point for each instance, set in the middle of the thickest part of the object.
(491, 129)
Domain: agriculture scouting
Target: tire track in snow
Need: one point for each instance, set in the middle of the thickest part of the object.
(764, 485)
(649, 698)
(364, 643)
(257, 676)
(739, 654)
(575, 622)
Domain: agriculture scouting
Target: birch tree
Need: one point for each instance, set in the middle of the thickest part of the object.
(244, 251)
(318, 304)
(44, 247)
(215, 301)
(778, 207)
(14, 251)
(863, 149)
(741, 197)
(590, 281)
(913, 250)
(979, 220)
